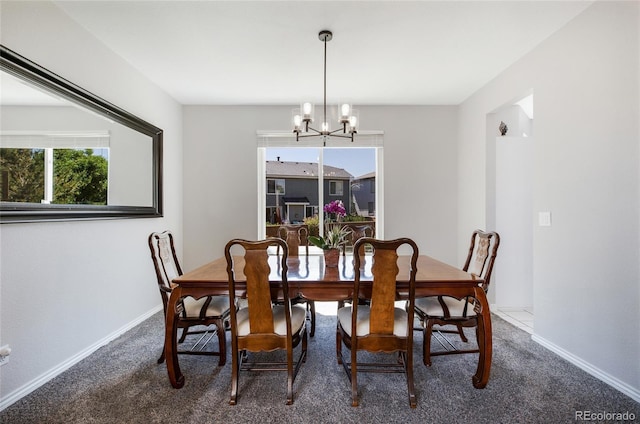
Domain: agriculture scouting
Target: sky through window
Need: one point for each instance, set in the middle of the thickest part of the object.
(356, 161)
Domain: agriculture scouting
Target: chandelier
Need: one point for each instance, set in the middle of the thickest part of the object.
(303, 117)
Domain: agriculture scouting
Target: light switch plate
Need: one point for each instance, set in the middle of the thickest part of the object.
(544, 219)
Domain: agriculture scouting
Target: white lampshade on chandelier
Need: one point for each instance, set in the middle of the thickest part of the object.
(303, 118)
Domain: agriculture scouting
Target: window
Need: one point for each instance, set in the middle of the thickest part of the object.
(335, 188)
(316, 176)
(275, 186)
(77, 176)
(311, 211)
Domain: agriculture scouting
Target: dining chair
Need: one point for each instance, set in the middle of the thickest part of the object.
(448, 311)
(262, 326)
(379, 326)
(356, 232)
(295, 236)
(194, 312)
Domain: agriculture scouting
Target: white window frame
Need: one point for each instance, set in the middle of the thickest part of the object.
(265, 139)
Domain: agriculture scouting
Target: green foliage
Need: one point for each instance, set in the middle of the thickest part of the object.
(354, 218)
(334, 238)
(79, 177)
(25, 171)
(313, 224)
(312, 220)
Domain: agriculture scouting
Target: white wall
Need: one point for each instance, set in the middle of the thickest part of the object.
(512, 285)
(586, 277)
(66, 287)
(220, 154)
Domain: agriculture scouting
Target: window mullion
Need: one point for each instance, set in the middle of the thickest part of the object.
(48, 176)
(321, 191)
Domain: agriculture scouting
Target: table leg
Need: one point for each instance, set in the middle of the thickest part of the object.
(170, 340)
(485, 344)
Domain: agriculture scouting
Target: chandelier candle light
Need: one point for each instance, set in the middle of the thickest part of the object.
(304, 116)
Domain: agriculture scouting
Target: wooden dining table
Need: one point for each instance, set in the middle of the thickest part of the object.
(309, 278)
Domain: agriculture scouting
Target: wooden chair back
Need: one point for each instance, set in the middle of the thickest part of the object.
(165, 262)
(295, 236)
(356, 232)
(383, 289)
(256, 271)
(360, 231)
(483, 250)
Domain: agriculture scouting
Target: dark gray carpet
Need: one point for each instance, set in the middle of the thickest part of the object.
(121, 383)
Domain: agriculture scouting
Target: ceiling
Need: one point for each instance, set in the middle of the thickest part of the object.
(268, 52)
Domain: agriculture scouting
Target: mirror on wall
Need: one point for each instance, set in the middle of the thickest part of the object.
(66, 154)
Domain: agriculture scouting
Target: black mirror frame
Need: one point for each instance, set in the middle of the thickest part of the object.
(21, 67)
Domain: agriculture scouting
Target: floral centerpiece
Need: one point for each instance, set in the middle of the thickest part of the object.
(335, 210)
(330, 244)
(334, 238)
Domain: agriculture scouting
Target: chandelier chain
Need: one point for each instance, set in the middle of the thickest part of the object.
(348, 117)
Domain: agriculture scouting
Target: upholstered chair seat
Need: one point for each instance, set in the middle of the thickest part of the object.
(432, 307)
(363, 320)
(298, 316)
(193, 307)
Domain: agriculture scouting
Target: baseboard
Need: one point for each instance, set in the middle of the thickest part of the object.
(621, 386)
(45, 377)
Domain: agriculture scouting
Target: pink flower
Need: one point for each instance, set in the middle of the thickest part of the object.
(336, 207)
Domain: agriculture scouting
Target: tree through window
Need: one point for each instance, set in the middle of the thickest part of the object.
(78, 176)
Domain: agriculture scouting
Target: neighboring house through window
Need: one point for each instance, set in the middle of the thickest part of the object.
(275, 186)
(301, 198)
(364, 194)
(300, 181)
(336, 188)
